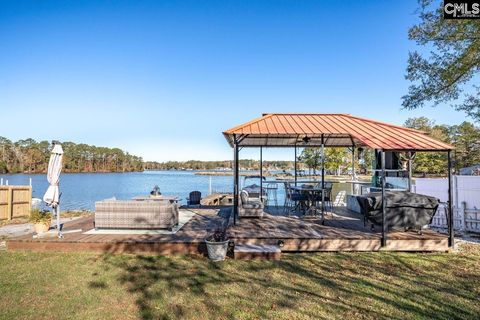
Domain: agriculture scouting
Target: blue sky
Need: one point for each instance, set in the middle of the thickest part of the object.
(163, 79)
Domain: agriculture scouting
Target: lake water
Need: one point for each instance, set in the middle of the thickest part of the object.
(81, 190)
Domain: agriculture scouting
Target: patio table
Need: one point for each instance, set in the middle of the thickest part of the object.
(312, 194)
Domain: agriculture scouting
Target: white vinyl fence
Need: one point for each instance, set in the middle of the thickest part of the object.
(466, 200)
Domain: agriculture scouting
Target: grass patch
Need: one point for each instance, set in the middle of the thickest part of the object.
(301, 286)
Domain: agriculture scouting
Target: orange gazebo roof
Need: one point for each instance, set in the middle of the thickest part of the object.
(337, 130)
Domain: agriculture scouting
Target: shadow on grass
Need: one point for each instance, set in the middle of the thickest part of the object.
(301, 285)
(314, 285)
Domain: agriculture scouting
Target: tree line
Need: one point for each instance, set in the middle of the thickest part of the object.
(247, 164)
(465, 137)
(30, 156)
(338, 160)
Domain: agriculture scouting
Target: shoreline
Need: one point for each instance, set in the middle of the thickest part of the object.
(230, 174)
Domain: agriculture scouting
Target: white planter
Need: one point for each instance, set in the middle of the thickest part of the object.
(217, 251)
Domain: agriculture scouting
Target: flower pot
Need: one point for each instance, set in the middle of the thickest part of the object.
(41, 227)
(217, 251)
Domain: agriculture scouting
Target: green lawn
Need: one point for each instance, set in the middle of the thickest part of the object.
(301, 286)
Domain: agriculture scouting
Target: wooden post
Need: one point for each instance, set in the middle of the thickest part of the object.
(29, 197)
(10, 203)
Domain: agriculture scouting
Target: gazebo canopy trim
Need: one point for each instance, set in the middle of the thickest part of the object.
(337, 130)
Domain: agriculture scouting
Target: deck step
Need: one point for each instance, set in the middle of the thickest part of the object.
(252, 251)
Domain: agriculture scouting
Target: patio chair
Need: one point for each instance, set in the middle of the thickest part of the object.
(287, 205)
(299, 200)
(327, 198)
(271, 194)
(250, 207)
(194, 198)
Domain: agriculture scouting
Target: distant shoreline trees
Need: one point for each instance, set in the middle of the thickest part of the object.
(247, 164)
(30, 156)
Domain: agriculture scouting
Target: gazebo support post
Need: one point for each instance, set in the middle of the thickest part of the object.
(235, 179)
(295, 165)
(409, 171)
(261, 174)
(323, 176)
(451, 239)
(384, 202)
(353, 163)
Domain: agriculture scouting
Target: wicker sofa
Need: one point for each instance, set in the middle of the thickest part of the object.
(130, 214)
(250, 207)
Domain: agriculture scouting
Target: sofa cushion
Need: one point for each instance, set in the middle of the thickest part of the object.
(252, 205)
(244, 196)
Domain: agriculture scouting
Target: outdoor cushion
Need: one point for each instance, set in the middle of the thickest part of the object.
(252, 205)
(244, 196)
(249, 207)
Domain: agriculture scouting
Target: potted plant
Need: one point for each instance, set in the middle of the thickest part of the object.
(217, 245)
(41, 220)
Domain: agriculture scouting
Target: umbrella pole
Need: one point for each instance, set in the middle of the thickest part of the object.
(57, 209)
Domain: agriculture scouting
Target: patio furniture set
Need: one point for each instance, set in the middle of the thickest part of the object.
(153, 212)
(306, 199)
(407, 211)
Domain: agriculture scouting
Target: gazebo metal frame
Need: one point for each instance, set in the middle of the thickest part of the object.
(334, 130)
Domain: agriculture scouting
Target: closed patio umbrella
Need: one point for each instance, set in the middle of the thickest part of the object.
(52, 196)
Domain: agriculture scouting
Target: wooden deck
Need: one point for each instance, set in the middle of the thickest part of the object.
(343, 231)
(189, 239)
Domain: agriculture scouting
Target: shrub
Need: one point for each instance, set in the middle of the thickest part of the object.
(218, 236)
(40, 216)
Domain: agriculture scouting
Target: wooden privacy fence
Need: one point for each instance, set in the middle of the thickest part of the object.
(15, 201)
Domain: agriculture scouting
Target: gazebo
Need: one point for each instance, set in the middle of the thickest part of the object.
(294, 130)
